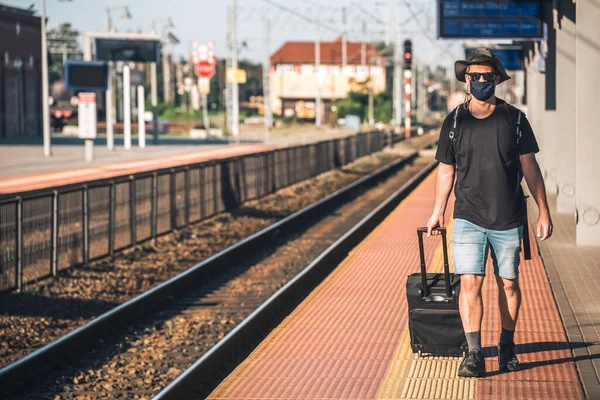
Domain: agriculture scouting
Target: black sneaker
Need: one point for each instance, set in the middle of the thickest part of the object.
(473, 365)
(507, 358)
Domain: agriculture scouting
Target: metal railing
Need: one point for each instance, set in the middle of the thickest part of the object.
(46, 231)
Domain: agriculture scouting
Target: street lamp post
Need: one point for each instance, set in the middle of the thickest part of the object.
(110, 141)
(164, 56)
(153, 80)
(126, 15)
(45, 94)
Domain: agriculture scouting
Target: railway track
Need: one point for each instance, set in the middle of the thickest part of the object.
(138, 348)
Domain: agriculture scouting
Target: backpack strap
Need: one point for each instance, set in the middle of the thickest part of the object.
(454, 132)
(519, 136)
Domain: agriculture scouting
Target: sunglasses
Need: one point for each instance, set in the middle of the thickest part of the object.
(487, 76)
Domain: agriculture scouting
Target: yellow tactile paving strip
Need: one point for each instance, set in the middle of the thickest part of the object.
(411, 377)
(349, 337)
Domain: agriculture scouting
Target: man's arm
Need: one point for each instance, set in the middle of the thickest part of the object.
(535, 182)
(443, 185)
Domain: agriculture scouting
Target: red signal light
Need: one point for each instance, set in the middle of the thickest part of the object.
(407, 56)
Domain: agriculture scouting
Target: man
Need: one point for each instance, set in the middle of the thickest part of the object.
(490, 145)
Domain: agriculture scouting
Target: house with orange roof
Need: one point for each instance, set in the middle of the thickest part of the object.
(294, 80)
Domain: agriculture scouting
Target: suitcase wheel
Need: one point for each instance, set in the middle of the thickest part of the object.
(419, 353)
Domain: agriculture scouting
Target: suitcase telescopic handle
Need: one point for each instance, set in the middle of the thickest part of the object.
(442, 230)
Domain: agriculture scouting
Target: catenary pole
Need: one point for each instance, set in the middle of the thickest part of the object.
(45, 91)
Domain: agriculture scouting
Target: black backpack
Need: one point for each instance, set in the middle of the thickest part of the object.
(453, 134)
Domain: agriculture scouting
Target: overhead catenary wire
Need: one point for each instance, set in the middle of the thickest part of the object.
(302, 16)
(426, 33)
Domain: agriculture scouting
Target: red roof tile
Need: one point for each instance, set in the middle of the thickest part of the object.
(331, 53)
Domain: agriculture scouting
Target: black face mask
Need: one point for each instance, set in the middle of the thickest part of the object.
(483, 90)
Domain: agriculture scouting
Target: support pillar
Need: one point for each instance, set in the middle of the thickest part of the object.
(549, 118)
(586, 114)
(565, 107)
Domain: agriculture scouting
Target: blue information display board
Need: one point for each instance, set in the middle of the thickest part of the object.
(511, 58)
(490, 19)
(87, 76)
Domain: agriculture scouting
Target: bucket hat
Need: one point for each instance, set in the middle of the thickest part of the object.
(480, 56)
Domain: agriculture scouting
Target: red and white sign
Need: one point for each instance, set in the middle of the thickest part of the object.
(86, 115)
(204, 59)
(204, 69)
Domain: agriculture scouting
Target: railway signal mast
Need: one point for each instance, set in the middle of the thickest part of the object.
(407, 86)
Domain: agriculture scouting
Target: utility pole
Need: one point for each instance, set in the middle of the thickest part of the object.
(154, 101)
(45, 94)
(370, 111)
(344, 44)
(318, 78)
(108, 20)
(141, 120)
(397, 93)
(166, 70)
(110, 136)
(266, 80)
(389, 30)
(235, 106)
(363, 45)
(126, 107)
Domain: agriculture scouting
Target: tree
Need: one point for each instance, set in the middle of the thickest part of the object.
(62, 44)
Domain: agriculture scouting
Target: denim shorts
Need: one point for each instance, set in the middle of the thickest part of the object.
(471, 244)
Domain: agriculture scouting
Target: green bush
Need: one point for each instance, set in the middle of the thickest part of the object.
(357, 103)
(289, 120)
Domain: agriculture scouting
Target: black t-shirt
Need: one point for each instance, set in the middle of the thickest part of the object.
(486, 156)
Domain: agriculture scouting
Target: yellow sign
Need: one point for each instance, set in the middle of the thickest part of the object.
(237, 75)
(204, 85)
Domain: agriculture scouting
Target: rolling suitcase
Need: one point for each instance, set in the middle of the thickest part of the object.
(433, 317)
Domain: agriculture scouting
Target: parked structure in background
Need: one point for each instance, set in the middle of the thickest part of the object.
(293, 76)
(20, 74)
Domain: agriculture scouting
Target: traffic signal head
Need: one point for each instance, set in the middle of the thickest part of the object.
(407, 54)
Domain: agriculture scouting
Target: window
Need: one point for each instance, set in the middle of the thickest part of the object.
(285, 68)
(307, 69)
(362, 70)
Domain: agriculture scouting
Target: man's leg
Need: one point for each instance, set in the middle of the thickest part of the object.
(505, 256)
(470, 304)
(509, 302)
(470, 246)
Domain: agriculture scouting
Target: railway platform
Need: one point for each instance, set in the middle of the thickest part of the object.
(23, 169)
(349, 338)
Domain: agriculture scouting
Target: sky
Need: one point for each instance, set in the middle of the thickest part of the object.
(206, 20)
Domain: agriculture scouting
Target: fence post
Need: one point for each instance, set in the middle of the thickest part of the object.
(273, 173)
(19, 243)
(86, 225)
(202, 193)
(296, 166)
(172, 199)
(214, 185)
(288, 162)
(154, 207)
(54, 249)
(111, 219)
(243, 178)
(257, 169)
(132, 211)
(347, 154)
(186, 184)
